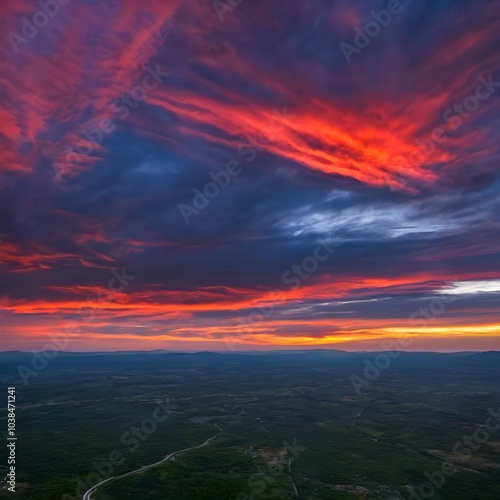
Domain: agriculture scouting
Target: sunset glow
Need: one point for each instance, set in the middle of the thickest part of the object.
(168, 182)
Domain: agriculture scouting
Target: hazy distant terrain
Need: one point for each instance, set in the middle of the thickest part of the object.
(276, 420)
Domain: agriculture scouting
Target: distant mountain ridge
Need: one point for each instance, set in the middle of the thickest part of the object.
(285, 352)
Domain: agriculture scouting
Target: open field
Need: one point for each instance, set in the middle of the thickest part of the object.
(284, 419)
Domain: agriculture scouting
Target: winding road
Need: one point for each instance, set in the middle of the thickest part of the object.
(144, 468)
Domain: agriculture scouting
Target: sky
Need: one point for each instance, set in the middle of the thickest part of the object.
(246, 174)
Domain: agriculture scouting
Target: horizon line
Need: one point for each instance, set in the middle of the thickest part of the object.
(181, 351)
